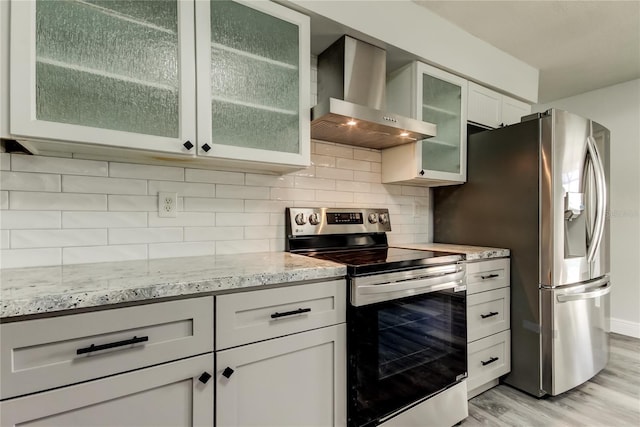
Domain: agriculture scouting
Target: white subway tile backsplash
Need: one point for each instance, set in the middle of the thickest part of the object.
(325, 161)
(130, 170)
(21, 239)
(183, 189)
(265, 205)
(182, 249)
(29, 181)
(264, 232)
(134, 203)
(100, 185)
(17, 220)
(202, 204)
(183, 219)
(18, 258)
(292, 194)
(367, 176)
(103, 219)
(5, 161)
(334, 196)
(368, 155)
(214, 177)
(285, 181)
(111, 208)
(120, 236)
(315, 183)
(330, 149)
(89, 254)
(25, 163)
(241, 246)
(333, 173)
(31, 200)
(237, 219)
(355, 165)
(241, 192)
(197, 234)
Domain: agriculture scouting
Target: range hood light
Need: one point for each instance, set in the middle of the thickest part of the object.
(404, 134)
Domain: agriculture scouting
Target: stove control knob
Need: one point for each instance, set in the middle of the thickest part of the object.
(300, 220)
(373, 218)
(384, 218)
(314, 219)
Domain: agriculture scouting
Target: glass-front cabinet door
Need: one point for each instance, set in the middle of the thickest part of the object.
(442, 97)
(253, 82)
(435, 96)
(111, 73)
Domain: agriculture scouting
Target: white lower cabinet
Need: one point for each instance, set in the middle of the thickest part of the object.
(170, 394)
(488, 324)
(296, 380)
(282, 356)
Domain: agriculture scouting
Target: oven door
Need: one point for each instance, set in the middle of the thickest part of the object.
(403, 350)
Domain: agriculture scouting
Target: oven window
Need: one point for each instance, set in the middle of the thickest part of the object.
(404, 350)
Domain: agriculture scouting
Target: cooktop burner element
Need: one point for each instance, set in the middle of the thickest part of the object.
(375, 260)
(355, 237)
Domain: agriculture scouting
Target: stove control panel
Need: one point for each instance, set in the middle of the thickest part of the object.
(315, 221)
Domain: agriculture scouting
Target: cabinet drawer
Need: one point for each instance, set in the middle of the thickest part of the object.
(46, 353)
(488, 359)
(254, 316)
(486, 275)
(488, 313)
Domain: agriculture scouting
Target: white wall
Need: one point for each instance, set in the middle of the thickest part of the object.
(618, 108)
(67, 211)
(417, 30)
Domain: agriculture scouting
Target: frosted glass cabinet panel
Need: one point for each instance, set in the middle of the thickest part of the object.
(435, 96)
(118, 73)
(255, 67)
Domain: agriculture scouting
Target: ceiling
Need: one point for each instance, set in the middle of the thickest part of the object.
(578, 46)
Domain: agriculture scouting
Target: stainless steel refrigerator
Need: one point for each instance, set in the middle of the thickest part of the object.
(539, 188)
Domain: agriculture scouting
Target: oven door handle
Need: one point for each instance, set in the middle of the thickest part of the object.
(419, 286)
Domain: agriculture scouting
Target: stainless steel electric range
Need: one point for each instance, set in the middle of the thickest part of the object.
(406, 320)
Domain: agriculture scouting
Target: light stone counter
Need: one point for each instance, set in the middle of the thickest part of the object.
(472, 253)
(25, 291)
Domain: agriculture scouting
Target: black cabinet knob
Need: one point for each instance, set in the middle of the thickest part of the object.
(227, 372)
(206, 147)
(421, 172)
(205, 377)
(188, 145)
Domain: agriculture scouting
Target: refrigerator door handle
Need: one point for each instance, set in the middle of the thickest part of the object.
(603, 290)
(601, 197)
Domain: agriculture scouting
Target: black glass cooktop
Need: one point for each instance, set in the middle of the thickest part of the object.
(381, 260)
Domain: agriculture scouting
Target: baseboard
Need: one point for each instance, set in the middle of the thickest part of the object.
(624, 327)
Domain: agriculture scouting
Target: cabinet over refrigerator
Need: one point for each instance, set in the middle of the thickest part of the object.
(539, 188)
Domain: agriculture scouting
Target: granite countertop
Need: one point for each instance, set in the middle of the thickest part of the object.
(472, 253)
(25, 291)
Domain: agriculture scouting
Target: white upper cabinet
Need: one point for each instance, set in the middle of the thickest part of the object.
(253, 86)
(101, 73)
(432, 95)
(492, 109)
(118, 74)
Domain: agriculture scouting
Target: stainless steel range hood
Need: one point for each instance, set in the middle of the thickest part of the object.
(351, 99)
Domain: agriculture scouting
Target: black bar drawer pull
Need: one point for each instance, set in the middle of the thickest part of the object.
(490, 276)
(93, 347)
(290, 313)
(491, 314)
(491, 360)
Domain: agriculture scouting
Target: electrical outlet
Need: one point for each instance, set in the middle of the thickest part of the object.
(167, 204)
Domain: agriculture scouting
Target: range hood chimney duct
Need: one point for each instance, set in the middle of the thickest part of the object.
(351, 100)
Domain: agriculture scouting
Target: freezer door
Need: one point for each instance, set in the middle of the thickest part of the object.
(575, 334)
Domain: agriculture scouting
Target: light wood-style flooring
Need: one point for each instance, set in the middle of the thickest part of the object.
(611, 398)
